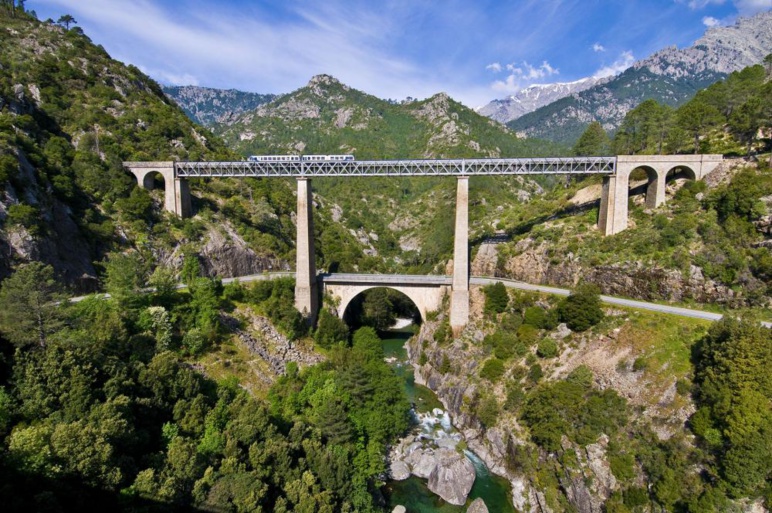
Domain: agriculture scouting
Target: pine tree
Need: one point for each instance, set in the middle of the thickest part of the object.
(594, 142)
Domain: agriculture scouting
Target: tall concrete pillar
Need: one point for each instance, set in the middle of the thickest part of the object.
(655, 191)
(306, 292)
(612, 217)
(182, 203)
(459, 298)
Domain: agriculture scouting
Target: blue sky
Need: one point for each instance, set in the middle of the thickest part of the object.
(473, 50)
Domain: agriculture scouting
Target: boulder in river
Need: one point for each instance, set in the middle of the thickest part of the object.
(477, 506)
(399, 470)
(453, 477)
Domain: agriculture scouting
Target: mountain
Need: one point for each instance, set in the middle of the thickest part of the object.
(670, 76)
(534, 96)
(327, 116)
(69, 115)
(207, 106)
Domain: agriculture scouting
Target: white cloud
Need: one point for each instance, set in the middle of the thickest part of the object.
(494, 67)
(597, 47)
(751, 7)
(710, 21)
(701, 4)
(521, 75)
(624, 61)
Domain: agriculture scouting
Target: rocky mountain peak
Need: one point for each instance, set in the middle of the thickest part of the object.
(719, 50)
(535, 96)
(320, 85)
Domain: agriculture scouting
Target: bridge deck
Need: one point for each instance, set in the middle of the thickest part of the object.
(445, 167)
(386, 279)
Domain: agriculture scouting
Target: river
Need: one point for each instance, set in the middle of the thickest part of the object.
(413, 493)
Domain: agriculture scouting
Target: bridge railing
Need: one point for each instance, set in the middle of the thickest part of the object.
(390, 279)
(429, 167)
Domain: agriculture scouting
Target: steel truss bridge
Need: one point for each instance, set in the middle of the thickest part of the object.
(444, 167)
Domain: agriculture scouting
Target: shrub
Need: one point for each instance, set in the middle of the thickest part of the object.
(492, 370)
(547, 348)
(581, 310)
(488, 411)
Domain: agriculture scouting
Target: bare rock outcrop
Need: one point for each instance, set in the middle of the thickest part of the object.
(226, 254)
(261, 338)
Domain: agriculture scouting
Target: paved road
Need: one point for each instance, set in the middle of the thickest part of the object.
(488, 280)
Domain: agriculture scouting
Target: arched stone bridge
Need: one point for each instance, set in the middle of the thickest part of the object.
(612, 216)
(426, 292)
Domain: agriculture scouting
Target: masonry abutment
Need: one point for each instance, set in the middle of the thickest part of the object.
(306, 291)
(459, 298)
(176, 190)
(613, 214)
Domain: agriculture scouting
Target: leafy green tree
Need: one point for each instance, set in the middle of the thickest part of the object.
(330, 330)
(582, 309)
(645, 129)
(125, 275)
(734, 390)
(594, 142)
(496, 298)
(29, 309)
(696, 118)
(66, 20)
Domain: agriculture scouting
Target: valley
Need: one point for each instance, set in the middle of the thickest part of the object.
(189, 389)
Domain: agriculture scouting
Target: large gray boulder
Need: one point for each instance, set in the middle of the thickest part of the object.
(453, 477)
(477, 506)
(399, 470)
(400, 509)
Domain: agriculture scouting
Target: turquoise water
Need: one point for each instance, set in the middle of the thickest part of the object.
(413, 493)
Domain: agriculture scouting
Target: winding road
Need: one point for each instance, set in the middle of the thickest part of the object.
(490, 280)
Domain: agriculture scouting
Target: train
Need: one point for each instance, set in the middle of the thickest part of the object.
(300, 158)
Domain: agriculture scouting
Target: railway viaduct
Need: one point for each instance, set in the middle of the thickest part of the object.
(425, 291)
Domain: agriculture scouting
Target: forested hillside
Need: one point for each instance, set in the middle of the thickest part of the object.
(328, 117)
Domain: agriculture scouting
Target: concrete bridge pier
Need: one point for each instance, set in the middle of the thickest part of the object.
(459, 298)
(306, 291)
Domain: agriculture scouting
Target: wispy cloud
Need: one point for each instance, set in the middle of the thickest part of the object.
(751, 7)
(701, 4)
(524, 74)
(494, 67)
(710, 21)
(597, 47)
(624, 61)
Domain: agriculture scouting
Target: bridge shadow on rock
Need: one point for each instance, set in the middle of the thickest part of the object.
(527, 226)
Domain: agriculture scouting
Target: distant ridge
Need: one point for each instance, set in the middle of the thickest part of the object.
(670, 76)
(208, 106)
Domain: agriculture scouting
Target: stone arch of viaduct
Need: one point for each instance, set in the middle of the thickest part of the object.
(427, 298)
(613, 214)
(612, 219)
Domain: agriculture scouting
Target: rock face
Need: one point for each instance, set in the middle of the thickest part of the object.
(452, 477)
(634, 280)
(273, 347)
(226, 254)
(207, 106)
